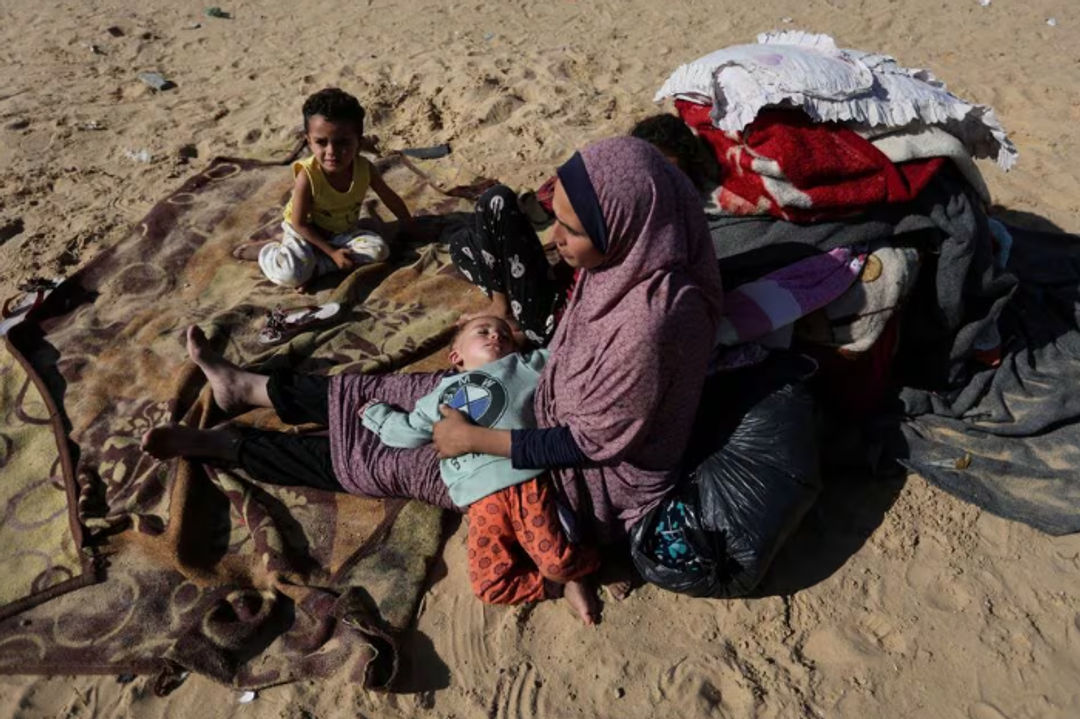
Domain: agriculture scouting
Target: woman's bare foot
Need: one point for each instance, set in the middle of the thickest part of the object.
(583, 600)
(234, 389)
(619, 590)
(174, 440)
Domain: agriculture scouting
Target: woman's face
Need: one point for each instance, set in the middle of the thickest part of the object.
(573, 245)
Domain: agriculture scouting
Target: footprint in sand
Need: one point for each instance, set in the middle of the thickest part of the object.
(706, 686)
(836, 646)
(938, 587)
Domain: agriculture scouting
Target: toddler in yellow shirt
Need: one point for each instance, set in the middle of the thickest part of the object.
(320, 228)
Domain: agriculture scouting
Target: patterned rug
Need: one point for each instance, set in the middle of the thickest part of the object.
(117, 563)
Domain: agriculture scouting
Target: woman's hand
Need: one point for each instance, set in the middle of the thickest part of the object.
(499, 307)
(452, 435)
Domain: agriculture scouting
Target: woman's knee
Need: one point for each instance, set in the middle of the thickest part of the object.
(496, 198)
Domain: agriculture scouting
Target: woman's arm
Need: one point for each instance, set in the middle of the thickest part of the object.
(528, 448)
(455, 435)
(404, 430)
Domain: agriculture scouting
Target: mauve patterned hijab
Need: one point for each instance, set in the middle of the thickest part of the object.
(628, 359)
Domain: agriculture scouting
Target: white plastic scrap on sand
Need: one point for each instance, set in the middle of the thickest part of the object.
(809, 72)
(246, 697)
(985, 3)
(1052, 22)
(143, 156)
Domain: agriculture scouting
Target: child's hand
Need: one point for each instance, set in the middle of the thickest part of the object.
(343, 259)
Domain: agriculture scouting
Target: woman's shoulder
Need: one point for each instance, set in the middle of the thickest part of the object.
(668, 296)
(673, 304)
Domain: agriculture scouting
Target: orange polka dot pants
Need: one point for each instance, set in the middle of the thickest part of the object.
(516, 542)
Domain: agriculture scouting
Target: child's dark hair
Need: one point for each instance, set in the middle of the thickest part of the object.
(669, 134)
(336, 106)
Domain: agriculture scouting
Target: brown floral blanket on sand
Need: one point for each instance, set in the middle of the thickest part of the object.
(116, 563)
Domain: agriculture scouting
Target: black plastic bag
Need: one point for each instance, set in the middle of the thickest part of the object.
(755, 475)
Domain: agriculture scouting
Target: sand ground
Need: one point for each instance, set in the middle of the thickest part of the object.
(894, 600)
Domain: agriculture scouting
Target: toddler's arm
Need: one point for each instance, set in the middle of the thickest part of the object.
(301, 209)
(393, 202)
(396, 428)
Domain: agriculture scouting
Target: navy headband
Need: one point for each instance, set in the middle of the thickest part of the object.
(582, 195)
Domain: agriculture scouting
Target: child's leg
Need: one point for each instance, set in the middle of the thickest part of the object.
(533, 294)
(536, 523)
(526, 515)
(501, 254)
(522, 515)
(560, 561)
(291, 262)
(496, 570)
(365, 245)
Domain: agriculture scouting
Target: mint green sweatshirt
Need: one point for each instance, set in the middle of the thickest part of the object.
(499, 395)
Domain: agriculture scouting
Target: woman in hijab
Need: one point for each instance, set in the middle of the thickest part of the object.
(617, 398)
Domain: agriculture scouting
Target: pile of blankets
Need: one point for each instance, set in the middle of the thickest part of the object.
(852, 224)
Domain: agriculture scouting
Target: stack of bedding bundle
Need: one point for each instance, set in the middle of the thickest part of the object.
(847, 185)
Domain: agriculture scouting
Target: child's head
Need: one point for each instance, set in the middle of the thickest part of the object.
(669, 134)
(334, 126)
(481, 340)
(336, 106)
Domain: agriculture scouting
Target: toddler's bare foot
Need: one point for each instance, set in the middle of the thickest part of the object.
(233, 388)
(249, 251)
(583, 600)
(174, 440)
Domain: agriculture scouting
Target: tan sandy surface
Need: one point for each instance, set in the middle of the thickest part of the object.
(895, 600)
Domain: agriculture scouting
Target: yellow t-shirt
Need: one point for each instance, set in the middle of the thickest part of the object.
(333, 211)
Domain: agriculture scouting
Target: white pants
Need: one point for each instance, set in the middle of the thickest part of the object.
(294, 261)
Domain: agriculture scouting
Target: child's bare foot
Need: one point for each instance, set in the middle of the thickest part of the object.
(583, 600)
(249, 251)
(174, 440)
(233, 388)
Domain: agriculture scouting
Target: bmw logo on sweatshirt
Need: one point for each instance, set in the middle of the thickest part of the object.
(478, 395)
